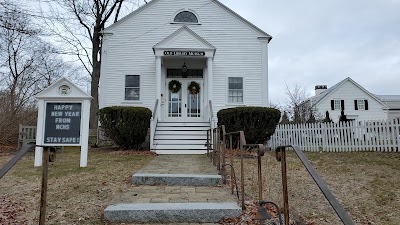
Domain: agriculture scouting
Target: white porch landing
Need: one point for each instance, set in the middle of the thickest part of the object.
(181, 138)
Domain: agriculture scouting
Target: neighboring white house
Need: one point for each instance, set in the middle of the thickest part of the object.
(358, 103)
(198, 42)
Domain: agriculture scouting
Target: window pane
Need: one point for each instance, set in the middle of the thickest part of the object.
(186, 16)
(337, 105)
(132, 93)
(235, 89)
(132, 81)
(235, 96)
(360, 104)
(235, 83)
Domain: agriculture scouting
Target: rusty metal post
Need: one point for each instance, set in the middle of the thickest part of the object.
(260, 152)
(218, 149)
(285, 186)
(213, 147)
(241, 169)
(231, 159)
(260, 184)
(42, 216)
(223, 149)
(208, 143)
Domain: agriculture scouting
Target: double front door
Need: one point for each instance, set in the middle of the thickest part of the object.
(184, 105)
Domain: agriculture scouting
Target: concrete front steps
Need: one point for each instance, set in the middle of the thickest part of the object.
(199, 212)
(162, 193)
(177, 179)
(174, 203)
(181, 138)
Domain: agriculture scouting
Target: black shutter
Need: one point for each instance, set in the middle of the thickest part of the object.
(342, 104)
(366, 104)
(355, 105)
(332, 105)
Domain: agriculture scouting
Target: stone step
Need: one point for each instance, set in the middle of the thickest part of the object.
(199, 212)
(176, 179)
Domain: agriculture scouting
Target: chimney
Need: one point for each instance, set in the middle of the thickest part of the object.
(319, 89)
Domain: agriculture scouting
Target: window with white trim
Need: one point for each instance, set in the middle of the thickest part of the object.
(337, 105)
(132, 87)
(360, 104)
(235, 89)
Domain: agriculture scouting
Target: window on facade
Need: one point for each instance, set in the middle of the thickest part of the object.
(235, 89)
(190, 73)
(132, 87)
(185, 17)
(361, 104)
(337, 104)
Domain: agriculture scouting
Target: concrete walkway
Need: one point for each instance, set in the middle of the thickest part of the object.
(180, 164)
(171, 202)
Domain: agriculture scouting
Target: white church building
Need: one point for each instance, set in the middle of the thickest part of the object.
(185, 60)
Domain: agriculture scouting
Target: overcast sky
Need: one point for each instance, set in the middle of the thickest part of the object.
(323, 42)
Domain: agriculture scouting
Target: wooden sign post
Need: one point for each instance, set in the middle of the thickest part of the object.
(43, 193)
(63, 119)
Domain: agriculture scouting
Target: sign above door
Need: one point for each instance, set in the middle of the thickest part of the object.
(184, 53)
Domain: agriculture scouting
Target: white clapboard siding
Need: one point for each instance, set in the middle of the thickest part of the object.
(377, 135)
(129, 51)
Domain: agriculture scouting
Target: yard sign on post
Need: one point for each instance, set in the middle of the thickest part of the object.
(63, 119)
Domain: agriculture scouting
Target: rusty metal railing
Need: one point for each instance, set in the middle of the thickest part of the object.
(281, 156)
(218, 141)
(15, 159)
(216, 151)
(48, 155)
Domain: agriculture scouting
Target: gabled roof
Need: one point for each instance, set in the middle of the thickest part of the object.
(242, 19)
(393, 101)
(52, 91)
(325, 94)
(186, 35)
(145, 6)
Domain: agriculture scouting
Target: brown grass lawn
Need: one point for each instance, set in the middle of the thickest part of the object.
(75, 195)
(366, 183)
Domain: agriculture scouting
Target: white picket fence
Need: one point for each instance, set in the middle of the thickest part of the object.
(381, 136)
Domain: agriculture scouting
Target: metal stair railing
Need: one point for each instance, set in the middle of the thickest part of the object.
(281, 156)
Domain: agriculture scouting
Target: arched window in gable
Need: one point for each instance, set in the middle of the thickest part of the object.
(186, 17)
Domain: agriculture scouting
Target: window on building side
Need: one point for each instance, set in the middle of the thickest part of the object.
(185, 17)
(235, 89)
(132, 87)
(337, 105)
(361, 104)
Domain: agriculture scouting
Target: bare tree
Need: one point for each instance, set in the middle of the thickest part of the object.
(27, 66)
(296, 106)
(77, 23)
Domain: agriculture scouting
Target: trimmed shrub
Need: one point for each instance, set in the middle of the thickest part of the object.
(126, 126)
(258, 123)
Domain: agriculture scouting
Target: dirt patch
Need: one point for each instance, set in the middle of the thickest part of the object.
(9, 211)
